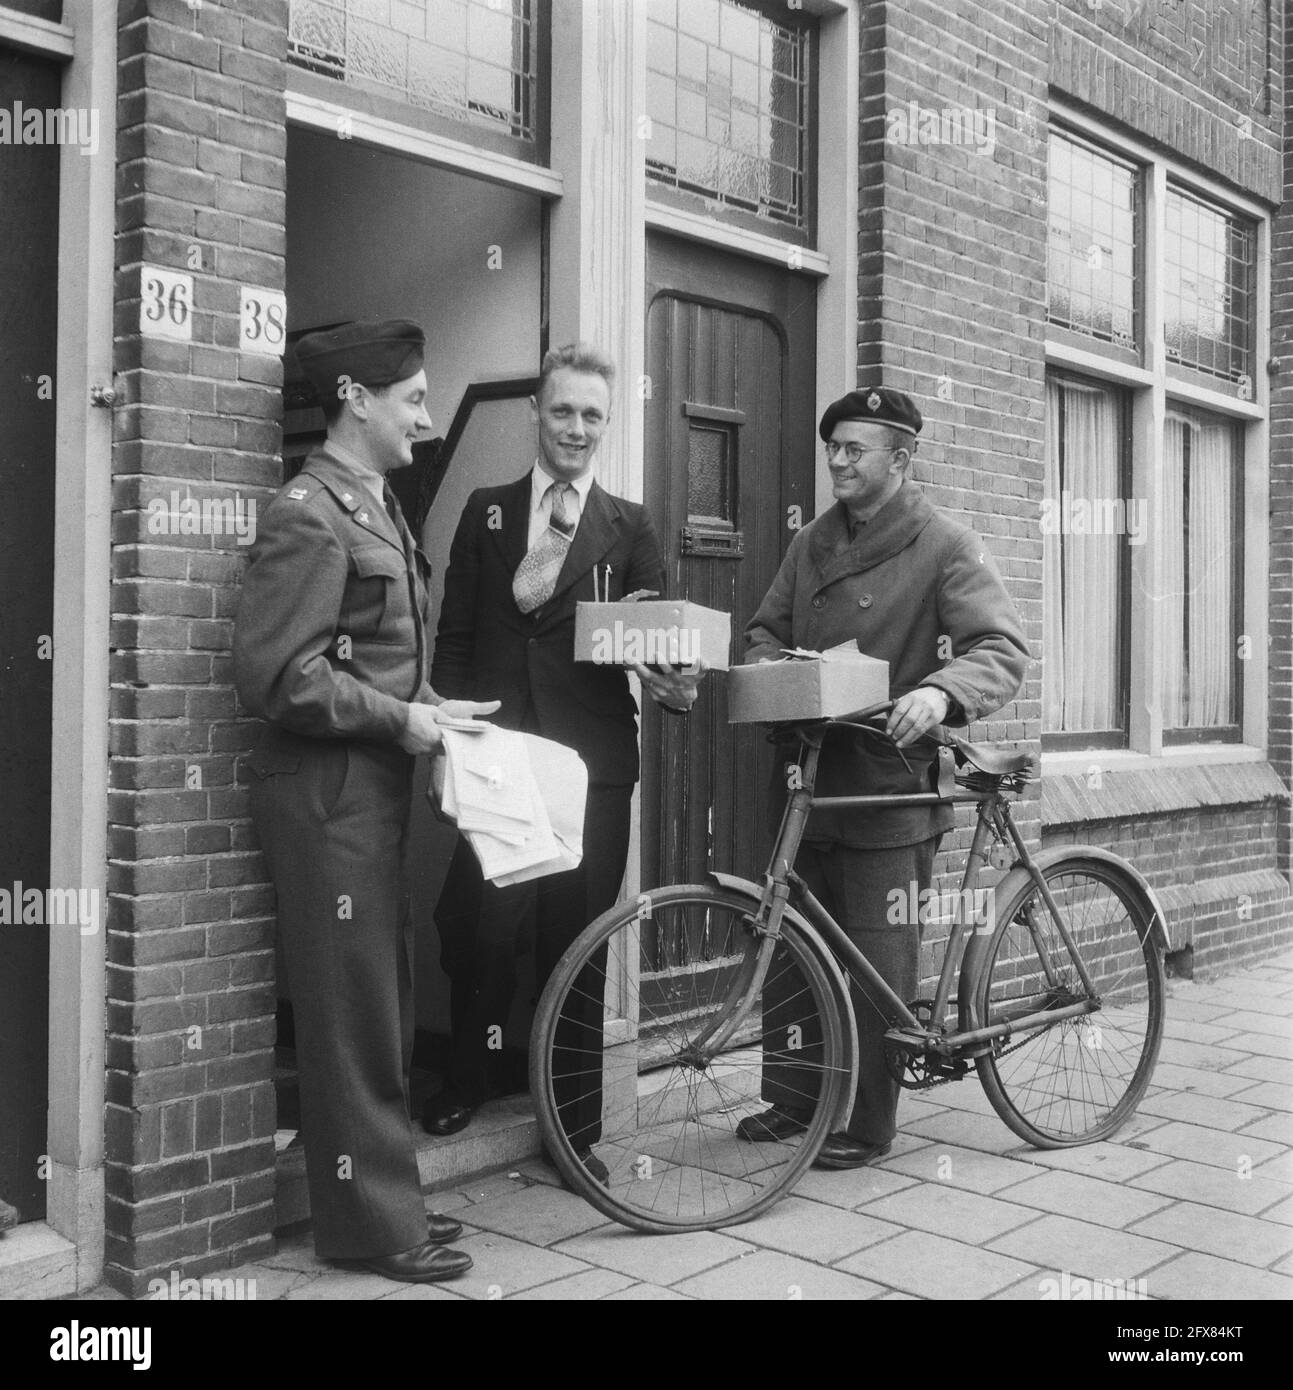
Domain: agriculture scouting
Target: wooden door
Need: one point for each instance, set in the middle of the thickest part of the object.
(28, 307)
(730, 454)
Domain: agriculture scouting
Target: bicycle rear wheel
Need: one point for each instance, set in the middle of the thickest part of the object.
(618, 1060)
(1078, 1079)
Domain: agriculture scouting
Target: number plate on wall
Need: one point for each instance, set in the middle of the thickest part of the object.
(165, 303)
(262, 321)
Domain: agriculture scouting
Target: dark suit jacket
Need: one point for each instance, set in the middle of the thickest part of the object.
(487, 649)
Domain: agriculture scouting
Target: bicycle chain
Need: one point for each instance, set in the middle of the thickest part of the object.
(929, 1084)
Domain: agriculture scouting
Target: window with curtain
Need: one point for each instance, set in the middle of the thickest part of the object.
(1200, 602)
(1084, 563)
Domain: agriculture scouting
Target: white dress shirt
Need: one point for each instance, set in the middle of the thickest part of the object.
(541, 501)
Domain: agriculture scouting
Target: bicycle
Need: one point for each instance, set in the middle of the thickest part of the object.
(657, 1027)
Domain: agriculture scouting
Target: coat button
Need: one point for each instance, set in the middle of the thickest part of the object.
(819, 600)
(532, 641)
(865, 601)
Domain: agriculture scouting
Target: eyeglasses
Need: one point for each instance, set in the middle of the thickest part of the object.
(854, 452)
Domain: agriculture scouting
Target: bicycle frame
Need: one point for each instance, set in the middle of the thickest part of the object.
(783, 888)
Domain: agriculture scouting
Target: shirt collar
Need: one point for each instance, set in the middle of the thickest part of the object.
(540, 482)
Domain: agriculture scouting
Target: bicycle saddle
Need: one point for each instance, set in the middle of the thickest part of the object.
(996, 762)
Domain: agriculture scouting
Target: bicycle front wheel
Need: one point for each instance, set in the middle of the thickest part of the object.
(1078, 1079)
(621, 1064)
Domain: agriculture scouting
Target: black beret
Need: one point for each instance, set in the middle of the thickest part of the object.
(375, 352)
(876, 404)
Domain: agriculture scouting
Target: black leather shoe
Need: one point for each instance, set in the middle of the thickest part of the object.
(444, 1117)
(442, 1229)
(597, 1170)
(841, 1151)
(424, 1264)
(777, 1122)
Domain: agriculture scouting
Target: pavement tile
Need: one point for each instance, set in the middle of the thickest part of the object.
(1242, 1001)
(341, 1283)
(1095, 1252)
(296, 1252)
(1278, 1128)
(654, 1259)
(963, 1168)
(1202, 1144)
(487, 1188)
(948, 1211)
(772, 1275)
(853, 1187)
(1202, 1055)
(591, 1284)
(274, 1281)
(1270, 1095)
(1112, 1162)
(1260, 1068)
(1213, 1187)
(968, 1130)
(447, 1202)
(1191, 1030)
(962, 1095)
(1048, 1286)
(1194, 1010)
(423, 1293)
(1168, 1076)
(1264, 1044)
(935, 1267)
(1198, 1109)
(1250, 983)
(652, 1293)
(504, 1266)
(815, 1231)
(540, 1215)
(1282, 1211)
(1210, 1231)
(1279, 1169)
(1086, 1199)
(1246, 1021)
(1194, 1276)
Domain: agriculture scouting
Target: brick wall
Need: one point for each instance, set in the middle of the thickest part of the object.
(190, 1104)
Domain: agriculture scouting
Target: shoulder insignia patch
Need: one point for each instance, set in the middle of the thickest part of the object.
(297, 493)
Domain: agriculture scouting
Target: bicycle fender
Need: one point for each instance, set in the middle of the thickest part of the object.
(1015, 880)
(744, 888)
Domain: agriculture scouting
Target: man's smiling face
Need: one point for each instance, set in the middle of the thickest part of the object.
(571, 413)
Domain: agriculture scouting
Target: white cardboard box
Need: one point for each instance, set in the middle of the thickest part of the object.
(832, 683)
(655, 632)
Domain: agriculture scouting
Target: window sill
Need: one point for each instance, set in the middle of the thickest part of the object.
(1079, 761)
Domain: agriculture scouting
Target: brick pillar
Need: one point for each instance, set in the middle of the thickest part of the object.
(191, 998)
(952, 282)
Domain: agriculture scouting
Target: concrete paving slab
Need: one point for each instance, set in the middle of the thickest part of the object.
(815, 1231)
(771, 1276)
(655, 1259)
(1203, 1144)
(1210, 1231)
(1282, 1211)
(1198, 1109)
(851, 1188)
(341, 1284)
(958, 1167)
(646, 1293)
(540, 1215)
(1260, 1068)
(423, 1293)
(1270, 1095)
(591, 1284)
(1059, 1243)
(1213, 1187)
(505, 1266)
(1109, 1161)
(1278, 1169)
(949, 1211)
(1194, 1276)
(1170, 1077)
(1086, 1199)
(934, 1267)
(1278, 1128)
(969, 1131)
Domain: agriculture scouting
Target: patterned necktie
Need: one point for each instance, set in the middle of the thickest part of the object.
(536, 575)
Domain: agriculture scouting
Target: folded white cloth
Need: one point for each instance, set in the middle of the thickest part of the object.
(519, 800)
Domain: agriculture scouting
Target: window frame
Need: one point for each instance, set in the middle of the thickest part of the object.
(1153, 384)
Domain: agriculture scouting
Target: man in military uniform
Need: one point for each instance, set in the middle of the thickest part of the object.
(917, 589)
(330, 650)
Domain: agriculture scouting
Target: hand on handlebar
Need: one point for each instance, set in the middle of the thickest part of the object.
(915, 713)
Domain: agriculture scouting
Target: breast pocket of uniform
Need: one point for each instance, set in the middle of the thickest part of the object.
(376, 602)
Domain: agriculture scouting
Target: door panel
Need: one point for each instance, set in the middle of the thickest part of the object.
(28, 309)
(729, 448)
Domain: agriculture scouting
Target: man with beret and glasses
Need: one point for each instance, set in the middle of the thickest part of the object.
(916, 588)
(330, 650)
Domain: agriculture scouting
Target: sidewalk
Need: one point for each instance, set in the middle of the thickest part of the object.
(1194, 1197)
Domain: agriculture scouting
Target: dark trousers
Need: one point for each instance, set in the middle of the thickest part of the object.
(853, 885)
(332, 817)
(479, 925)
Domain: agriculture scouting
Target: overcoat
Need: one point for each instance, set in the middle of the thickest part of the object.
(912, 587)
(329, 649)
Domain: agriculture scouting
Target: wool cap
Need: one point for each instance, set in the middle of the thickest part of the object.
(878, 405)
(373, 352)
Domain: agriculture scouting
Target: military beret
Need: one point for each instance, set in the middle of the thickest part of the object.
(876, 404)
(375, 352)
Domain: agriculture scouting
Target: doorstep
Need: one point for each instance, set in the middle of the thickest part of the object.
(36, 1262)
(503, 1132)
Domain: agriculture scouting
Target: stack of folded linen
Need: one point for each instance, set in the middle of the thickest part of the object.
(519, 800)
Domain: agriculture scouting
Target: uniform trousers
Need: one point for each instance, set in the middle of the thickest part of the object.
(479, 927)
(332, 817)
(854, 886)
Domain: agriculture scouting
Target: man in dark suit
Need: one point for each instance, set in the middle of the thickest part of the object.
(330, 650)
(522, 556)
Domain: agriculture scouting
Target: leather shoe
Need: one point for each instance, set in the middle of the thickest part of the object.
(442, 1229)
(597, 1170)
(444, 1117)
(843, 1151)
(424, 1264)
(775, 1123)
